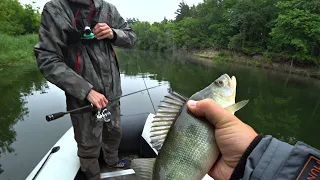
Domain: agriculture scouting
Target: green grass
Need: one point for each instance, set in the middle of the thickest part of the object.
(17, 50)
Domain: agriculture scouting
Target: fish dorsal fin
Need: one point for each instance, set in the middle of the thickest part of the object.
(237, 106)
(168, 111)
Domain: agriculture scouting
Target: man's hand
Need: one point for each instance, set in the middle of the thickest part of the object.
(232, 135)
(102, 31)
(97, 99)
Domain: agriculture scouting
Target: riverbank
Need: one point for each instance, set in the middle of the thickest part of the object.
(259, 61)
(17, 50)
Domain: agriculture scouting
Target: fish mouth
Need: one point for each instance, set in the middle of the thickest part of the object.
(232, 82)
(226, 76)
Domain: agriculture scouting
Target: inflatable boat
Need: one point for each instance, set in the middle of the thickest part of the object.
(62, 163)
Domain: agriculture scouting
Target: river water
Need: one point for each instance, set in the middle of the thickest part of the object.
(284, 106)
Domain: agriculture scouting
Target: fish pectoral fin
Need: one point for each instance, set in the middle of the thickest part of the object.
(237, 106)
(167, 113)
(143, 167)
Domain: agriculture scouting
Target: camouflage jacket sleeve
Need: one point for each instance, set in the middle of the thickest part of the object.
(50, 53)
(124, 35)
(269, 158)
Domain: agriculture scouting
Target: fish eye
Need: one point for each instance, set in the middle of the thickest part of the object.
(219, 83)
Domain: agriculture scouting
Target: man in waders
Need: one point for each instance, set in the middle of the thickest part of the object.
(75, 53)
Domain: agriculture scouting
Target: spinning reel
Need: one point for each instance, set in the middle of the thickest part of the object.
(103, 116)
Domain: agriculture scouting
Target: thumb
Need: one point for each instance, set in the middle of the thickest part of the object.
(213, 112)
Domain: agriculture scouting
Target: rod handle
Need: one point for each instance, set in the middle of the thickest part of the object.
(54, 116)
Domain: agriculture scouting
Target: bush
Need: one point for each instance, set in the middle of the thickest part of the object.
(17, 49)
(16, 19)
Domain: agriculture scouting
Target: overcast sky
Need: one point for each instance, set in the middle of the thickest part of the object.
(144, 10)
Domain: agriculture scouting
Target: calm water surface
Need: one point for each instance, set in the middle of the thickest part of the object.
(284, 106)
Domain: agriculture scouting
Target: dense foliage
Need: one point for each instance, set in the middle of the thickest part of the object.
(286, 29)
(16, 19)
(18, 50)
(279, 29)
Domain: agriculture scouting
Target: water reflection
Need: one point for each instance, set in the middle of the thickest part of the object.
(15, 85)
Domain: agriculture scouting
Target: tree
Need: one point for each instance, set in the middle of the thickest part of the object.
(288, 28)
(16, 19)
(183, 11)
(296, 34)
(132, 20)
(31, 19)
(251, 21)
(10, 17)
(187, 34)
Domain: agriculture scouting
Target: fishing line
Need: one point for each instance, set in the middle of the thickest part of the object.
(147, 90)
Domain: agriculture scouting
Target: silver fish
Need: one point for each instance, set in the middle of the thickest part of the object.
(186, 144)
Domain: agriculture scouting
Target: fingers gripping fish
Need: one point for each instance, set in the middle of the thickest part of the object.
(186, 144)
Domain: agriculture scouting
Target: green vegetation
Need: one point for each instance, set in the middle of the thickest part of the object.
(18, 50)
(19, 25)
(252, 32)
(16, 19)
(276, 30)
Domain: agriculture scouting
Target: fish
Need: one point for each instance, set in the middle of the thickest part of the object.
(186, 144)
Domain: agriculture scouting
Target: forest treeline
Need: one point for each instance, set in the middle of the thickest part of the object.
(277, 29)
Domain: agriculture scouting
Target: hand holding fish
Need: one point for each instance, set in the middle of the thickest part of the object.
(188, 146)
(232, 135)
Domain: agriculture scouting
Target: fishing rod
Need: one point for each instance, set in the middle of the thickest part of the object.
(57, 115)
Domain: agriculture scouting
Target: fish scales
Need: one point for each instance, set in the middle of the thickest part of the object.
(189, 133)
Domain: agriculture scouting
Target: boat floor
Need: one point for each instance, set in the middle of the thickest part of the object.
(104, 169)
